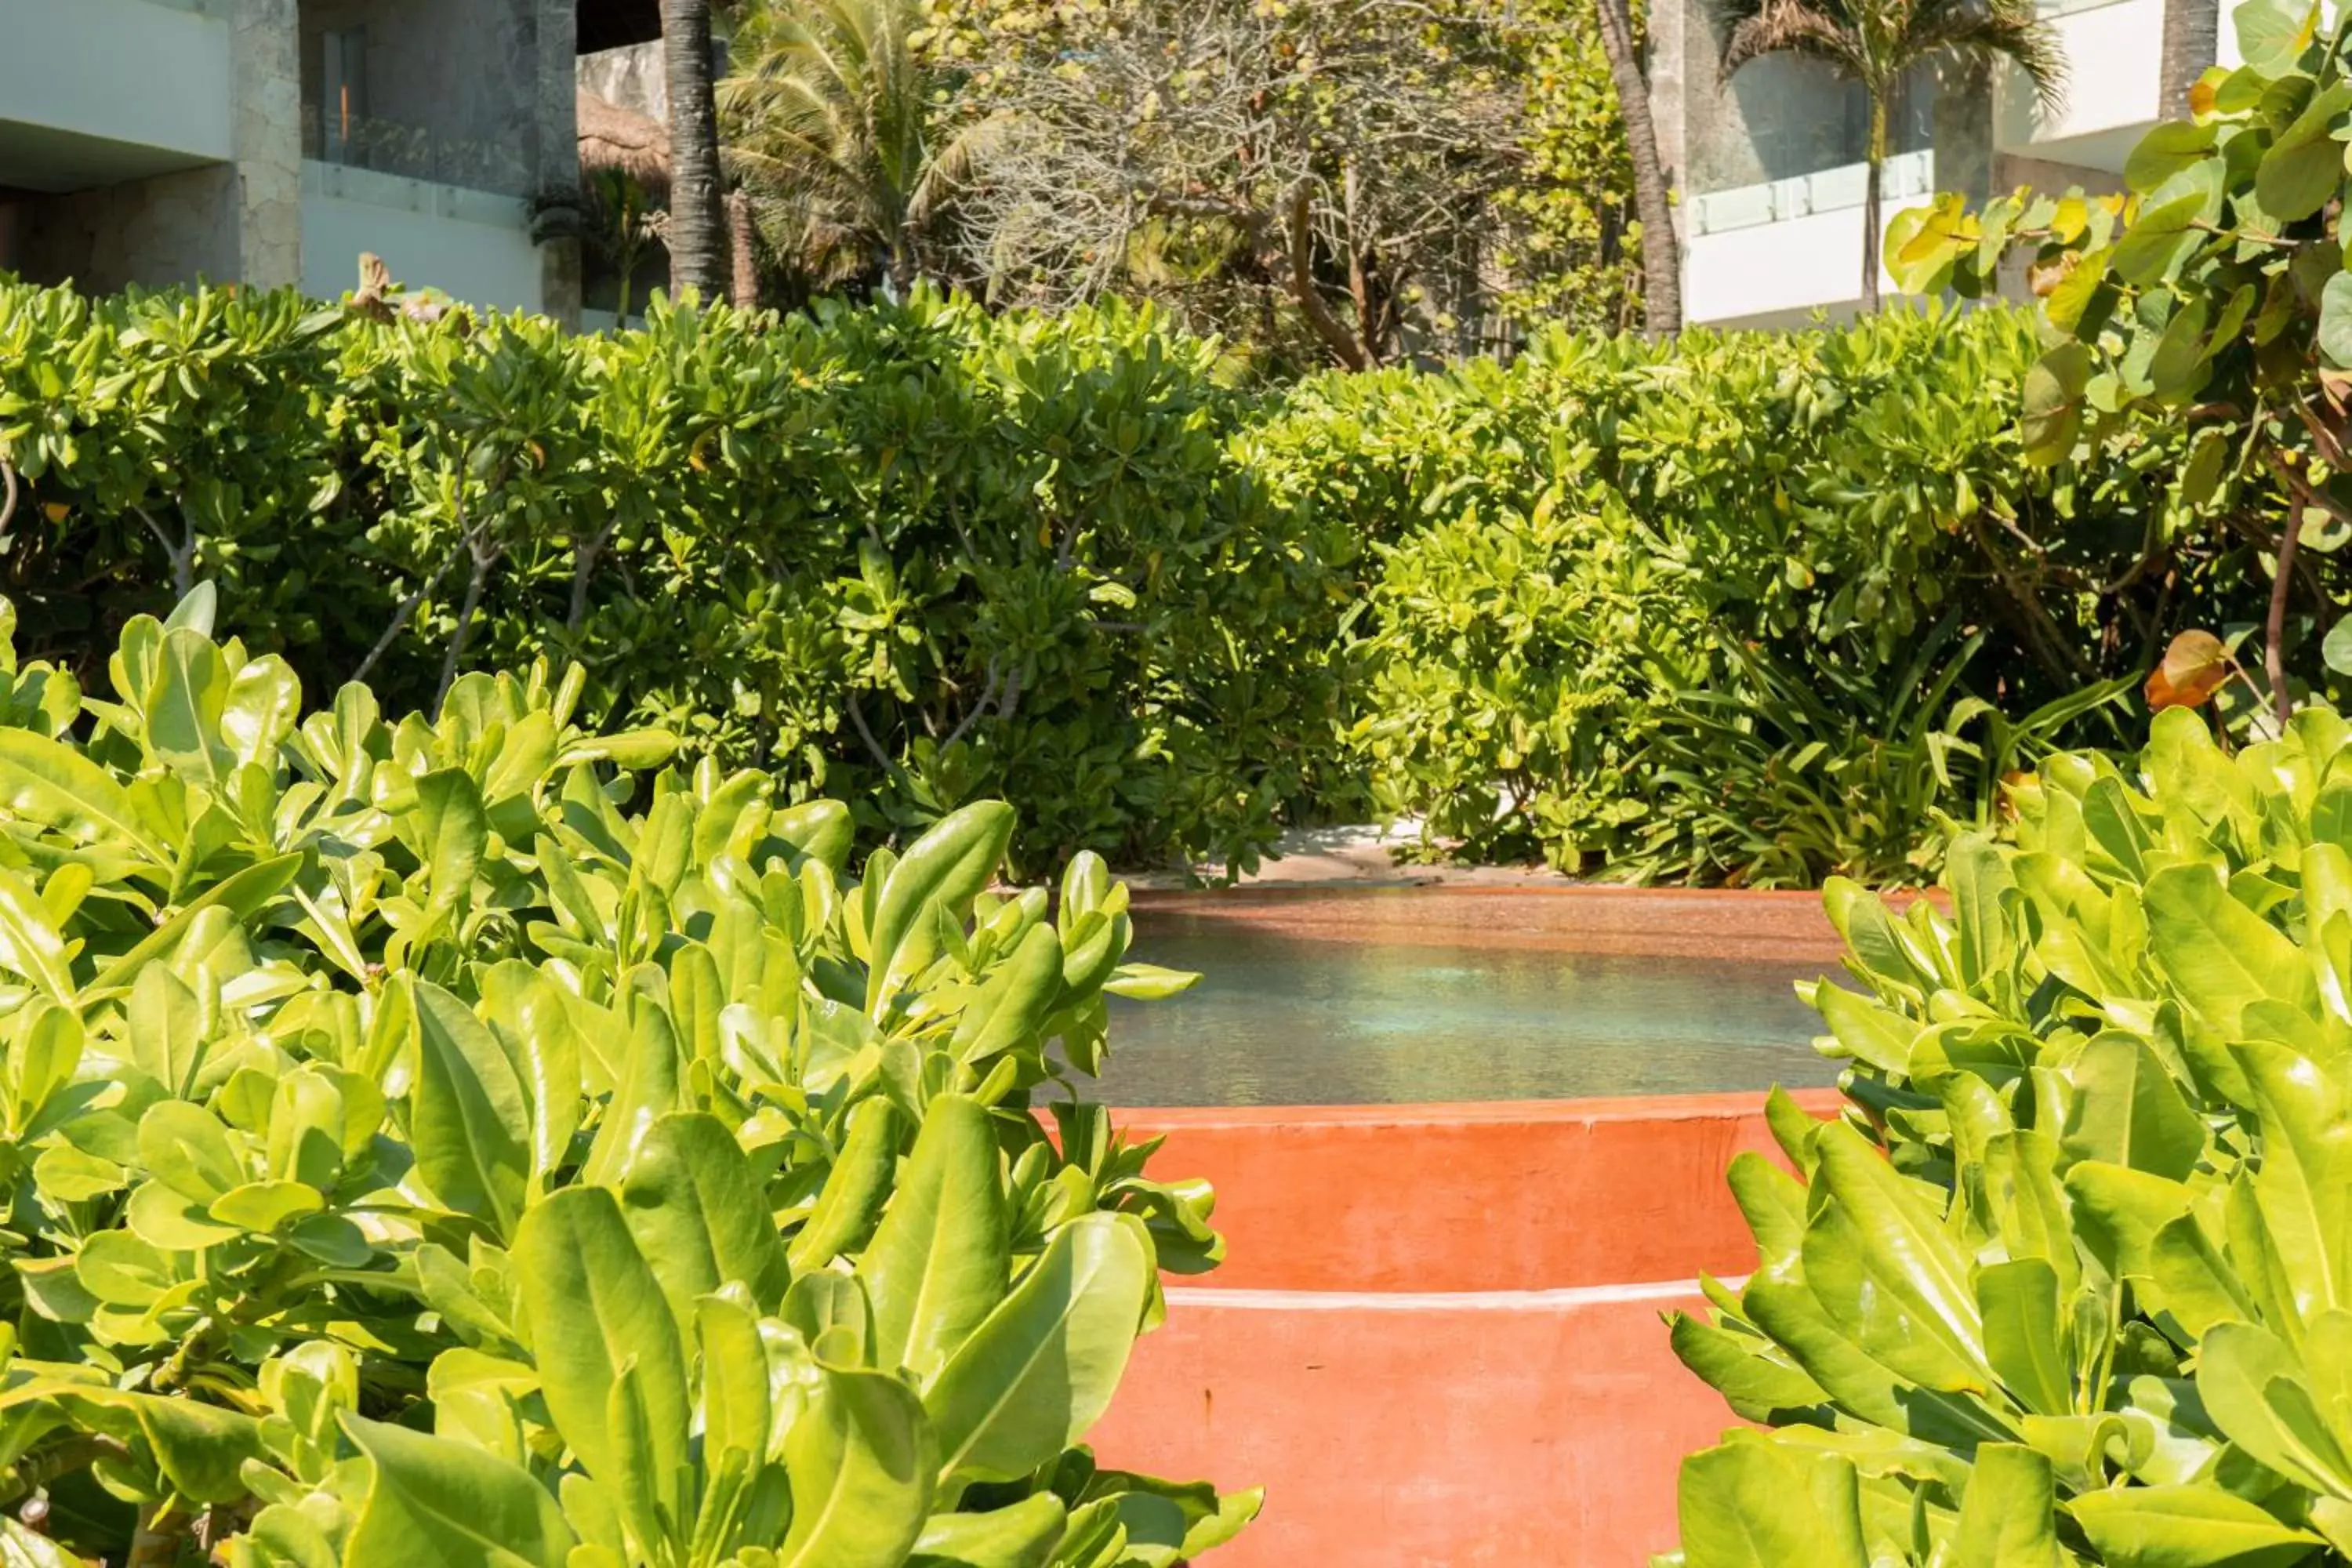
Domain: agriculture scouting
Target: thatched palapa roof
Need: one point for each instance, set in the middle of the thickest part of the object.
(612, 137)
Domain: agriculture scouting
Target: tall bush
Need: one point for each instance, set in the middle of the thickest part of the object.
(450, 1141)
(918, 555)
(1730, 585)
(912, 555)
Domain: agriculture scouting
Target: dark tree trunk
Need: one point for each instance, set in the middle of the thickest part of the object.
(1873, 202)
(2192, 39)
(901, 270)
(697, 243)
(1661, 256)
(743, 284)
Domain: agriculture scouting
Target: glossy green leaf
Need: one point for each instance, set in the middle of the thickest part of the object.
(1754, 1504)
(185, 707)
(1015, 1001)
(737, 1406)
(432, 1500)
(942, 870)
(1043, 1367)
(850, 1202)
(595, 1306)
(2023, 1334)
(861, 1460)
(939, 1260)
(1885, 1264)
(2187, 1526)
(454, 831)
(2129, 1112)
(694, 1204)
(472, 1125)
(54, 783)
(2009, 1518)
(242, 894)
(1022, 1535)
(2222, 955)
(30, 943)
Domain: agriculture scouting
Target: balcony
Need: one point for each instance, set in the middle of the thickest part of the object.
(95, 92)
(472, 245)
(1771, 255)
(2113, 92)
(432, 155)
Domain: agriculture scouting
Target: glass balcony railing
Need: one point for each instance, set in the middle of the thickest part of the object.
(388, 147)
(1909, 176)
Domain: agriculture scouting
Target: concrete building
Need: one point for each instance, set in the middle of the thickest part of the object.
(1770, 165)
(272, 142)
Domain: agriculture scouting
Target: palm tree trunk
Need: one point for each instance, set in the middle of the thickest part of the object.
(697, 233)
(902, 270)
(743, 284)
(1872, 201)
(1662, 258)
(2192, 40)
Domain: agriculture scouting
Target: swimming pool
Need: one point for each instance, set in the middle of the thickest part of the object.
(1494, 1005)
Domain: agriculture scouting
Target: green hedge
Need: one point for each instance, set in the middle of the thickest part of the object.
(1752, 607)
(1678, 602)
(911, 557)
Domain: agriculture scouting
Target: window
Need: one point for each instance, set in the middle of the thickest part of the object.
(342, 106)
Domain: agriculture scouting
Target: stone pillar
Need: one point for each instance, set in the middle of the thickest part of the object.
(556, 208)
(267, 59)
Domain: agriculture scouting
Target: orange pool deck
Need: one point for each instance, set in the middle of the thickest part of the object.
(1437, 1341)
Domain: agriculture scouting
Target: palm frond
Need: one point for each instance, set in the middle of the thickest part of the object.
(954, 164)
(2008, 30)
(1820, 29)
(829, 107)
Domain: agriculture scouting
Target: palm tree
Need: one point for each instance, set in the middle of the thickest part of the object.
(695, 236)
(2192, 41)
(830, 113)
(1661, 258)
(1876, 43)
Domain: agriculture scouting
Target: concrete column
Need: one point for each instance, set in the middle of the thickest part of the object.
(556, 208)
(267, 66)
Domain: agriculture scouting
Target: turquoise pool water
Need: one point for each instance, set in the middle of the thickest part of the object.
(1285, 1020)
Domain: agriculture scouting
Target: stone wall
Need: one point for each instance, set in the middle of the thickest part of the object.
(170, 229)
(559, 159)
(240, 220)
(631, 77)
(475, 94)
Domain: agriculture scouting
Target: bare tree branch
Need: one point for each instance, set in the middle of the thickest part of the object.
(1331, 158)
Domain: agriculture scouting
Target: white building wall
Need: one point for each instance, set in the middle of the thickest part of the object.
(1771, 255)
(470, 245)
(2116, 54)
(1778, 274)
(137, 71)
